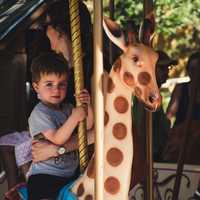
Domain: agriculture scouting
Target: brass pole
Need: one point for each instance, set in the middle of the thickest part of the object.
(99, 102)
(148, 8)
(78, 77)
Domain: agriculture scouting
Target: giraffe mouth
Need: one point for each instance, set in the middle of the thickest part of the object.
(150, 108)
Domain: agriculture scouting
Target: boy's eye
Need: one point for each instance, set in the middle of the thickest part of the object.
(62, 85)
(49, 85)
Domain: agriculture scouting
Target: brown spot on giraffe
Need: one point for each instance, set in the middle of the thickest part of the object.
(129, 79)
(112, 185)
(80, 190)
(91, 170)
(144, 78)
(138, 91)
(121, 104)
(111, 85)
(106, 118)
(88, 197)
(114, 157)
(117, 65)
(119, 131)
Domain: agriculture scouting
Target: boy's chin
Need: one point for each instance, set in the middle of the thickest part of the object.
(54, 103)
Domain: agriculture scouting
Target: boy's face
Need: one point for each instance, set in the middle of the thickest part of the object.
(51, 88)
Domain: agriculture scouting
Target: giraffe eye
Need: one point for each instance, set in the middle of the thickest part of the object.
(135, 58)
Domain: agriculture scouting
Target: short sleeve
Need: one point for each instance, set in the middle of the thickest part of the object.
(40, 121)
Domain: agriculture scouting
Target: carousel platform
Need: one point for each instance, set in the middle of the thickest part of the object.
(163, 183)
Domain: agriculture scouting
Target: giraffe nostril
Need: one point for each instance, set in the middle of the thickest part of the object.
(154, 102)
(154, 97)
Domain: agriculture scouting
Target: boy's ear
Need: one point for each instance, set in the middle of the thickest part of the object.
(35, 86)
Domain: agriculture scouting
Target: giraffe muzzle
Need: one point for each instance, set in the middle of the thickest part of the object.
(154, 102)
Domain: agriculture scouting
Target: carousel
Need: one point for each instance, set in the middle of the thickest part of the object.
(121, 164)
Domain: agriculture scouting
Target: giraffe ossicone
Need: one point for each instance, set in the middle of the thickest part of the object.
(133, 73)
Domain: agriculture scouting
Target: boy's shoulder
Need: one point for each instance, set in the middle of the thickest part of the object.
(42, 108)
(39, 108)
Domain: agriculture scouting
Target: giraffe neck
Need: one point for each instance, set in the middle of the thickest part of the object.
(118, 150)
(118, 146)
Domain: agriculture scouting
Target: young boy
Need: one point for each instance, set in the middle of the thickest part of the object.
(55, 121)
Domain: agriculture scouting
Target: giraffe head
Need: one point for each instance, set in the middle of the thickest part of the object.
(136, 66)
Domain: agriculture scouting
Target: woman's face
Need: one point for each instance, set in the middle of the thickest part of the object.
(53, 36)
(60, 43)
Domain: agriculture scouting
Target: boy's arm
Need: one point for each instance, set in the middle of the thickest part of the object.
(61, 135)
(44, 150)
(72, 143)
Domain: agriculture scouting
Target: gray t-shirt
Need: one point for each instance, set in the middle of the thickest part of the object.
(44, 118)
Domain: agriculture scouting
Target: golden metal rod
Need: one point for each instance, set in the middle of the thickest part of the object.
(78, 77)
(99, 103)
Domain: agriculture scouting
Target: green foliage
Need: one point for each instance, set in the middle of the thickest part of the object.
(126, 10)
(178, 23)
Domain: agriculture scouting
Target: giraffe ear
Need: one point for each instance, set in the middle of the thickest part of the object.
(146, 32)
(115, 33)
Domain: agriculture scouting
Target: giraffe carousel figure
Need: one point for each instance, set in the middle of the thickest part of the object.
(132, 74)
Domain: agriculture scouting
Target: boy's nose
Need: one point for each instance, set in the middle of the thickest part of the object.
(57, 87)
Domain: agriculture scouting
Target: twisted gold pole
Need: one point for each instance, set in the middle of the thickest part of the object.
(78, 77)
